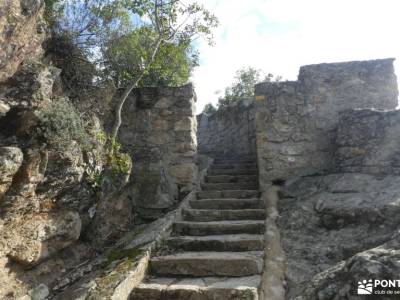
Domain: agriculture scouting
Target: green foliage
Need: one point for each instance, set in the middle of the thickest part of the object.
(125, 56)
(209, 109)
(105, 155)
(118, 254)
(94, 178)
(77, 72)
(118, 162)
(119, 36)
(134, 42)
(61, 126)
(52, 11)
(243, 85)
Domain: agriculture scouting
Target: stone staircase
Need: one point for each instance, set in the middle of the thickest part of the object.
(218, 248)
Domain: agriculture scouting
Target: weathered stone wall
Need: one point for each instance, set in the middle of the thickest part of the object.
(296, 122)
(229, 131)
(159, 131)
(368, 141)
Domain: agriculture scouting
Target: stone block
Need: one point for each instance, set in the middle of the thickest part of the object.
(184, 173)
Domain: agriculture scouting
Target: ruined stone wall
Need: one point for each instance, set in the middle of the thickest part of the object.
(229, 131)
(368, 141)
(296, 122)
(159, 131)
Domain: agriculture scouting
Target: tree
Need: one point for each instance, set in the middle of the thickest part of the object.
(136, 42)
(172, 23)
(243, 86)
(209, 109)
(172, 64)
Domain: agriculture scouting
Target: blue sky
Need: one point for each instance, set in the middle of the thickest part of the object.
(279, 36)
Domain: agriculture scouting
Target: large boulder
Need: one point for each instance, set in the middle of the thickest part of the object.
(342, 280)
(32, 238)
(325, 220)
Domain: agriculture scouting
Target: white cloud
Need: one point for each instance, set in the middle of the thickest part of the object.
(279, 36)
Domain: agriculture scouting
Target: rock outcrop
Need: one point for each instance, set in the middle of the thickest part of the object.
(326, 220)
(34, 238)
(10, 161)
(22, 31)
(60, 205)
(44, 197)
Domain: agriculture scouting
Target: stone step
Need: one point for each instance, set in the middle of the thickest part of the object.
(241, 171)
(234, 166)
(200, 264)
(231, 178)
(210, 215)
(229, 186)
(227, 203)
(239, 194)
(207, 288)
(218, 228)
(233, 242)
(221, 161)
(235, 158)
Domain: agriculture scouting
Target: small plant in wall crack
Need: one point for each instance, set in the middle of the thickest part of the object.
(107, 166)
(119, 162)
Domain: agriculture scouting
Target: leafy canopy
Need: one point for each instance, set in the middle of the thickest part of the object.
(243, 86)
(172, 64)
(119, 36)
(209, 109)
(134, 42)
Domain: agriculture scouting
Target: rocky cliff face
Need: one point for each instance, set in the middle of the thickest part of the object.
(41, 212)
(339, 229)
(61, 210)
(44, 197)
(22, 31)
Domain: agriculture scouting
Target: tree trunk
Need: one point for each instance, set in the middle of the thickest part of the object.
(128, 90)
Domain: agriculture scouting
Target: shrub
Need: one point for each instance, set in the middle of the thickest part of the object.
(62, 128)
(61, 125)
